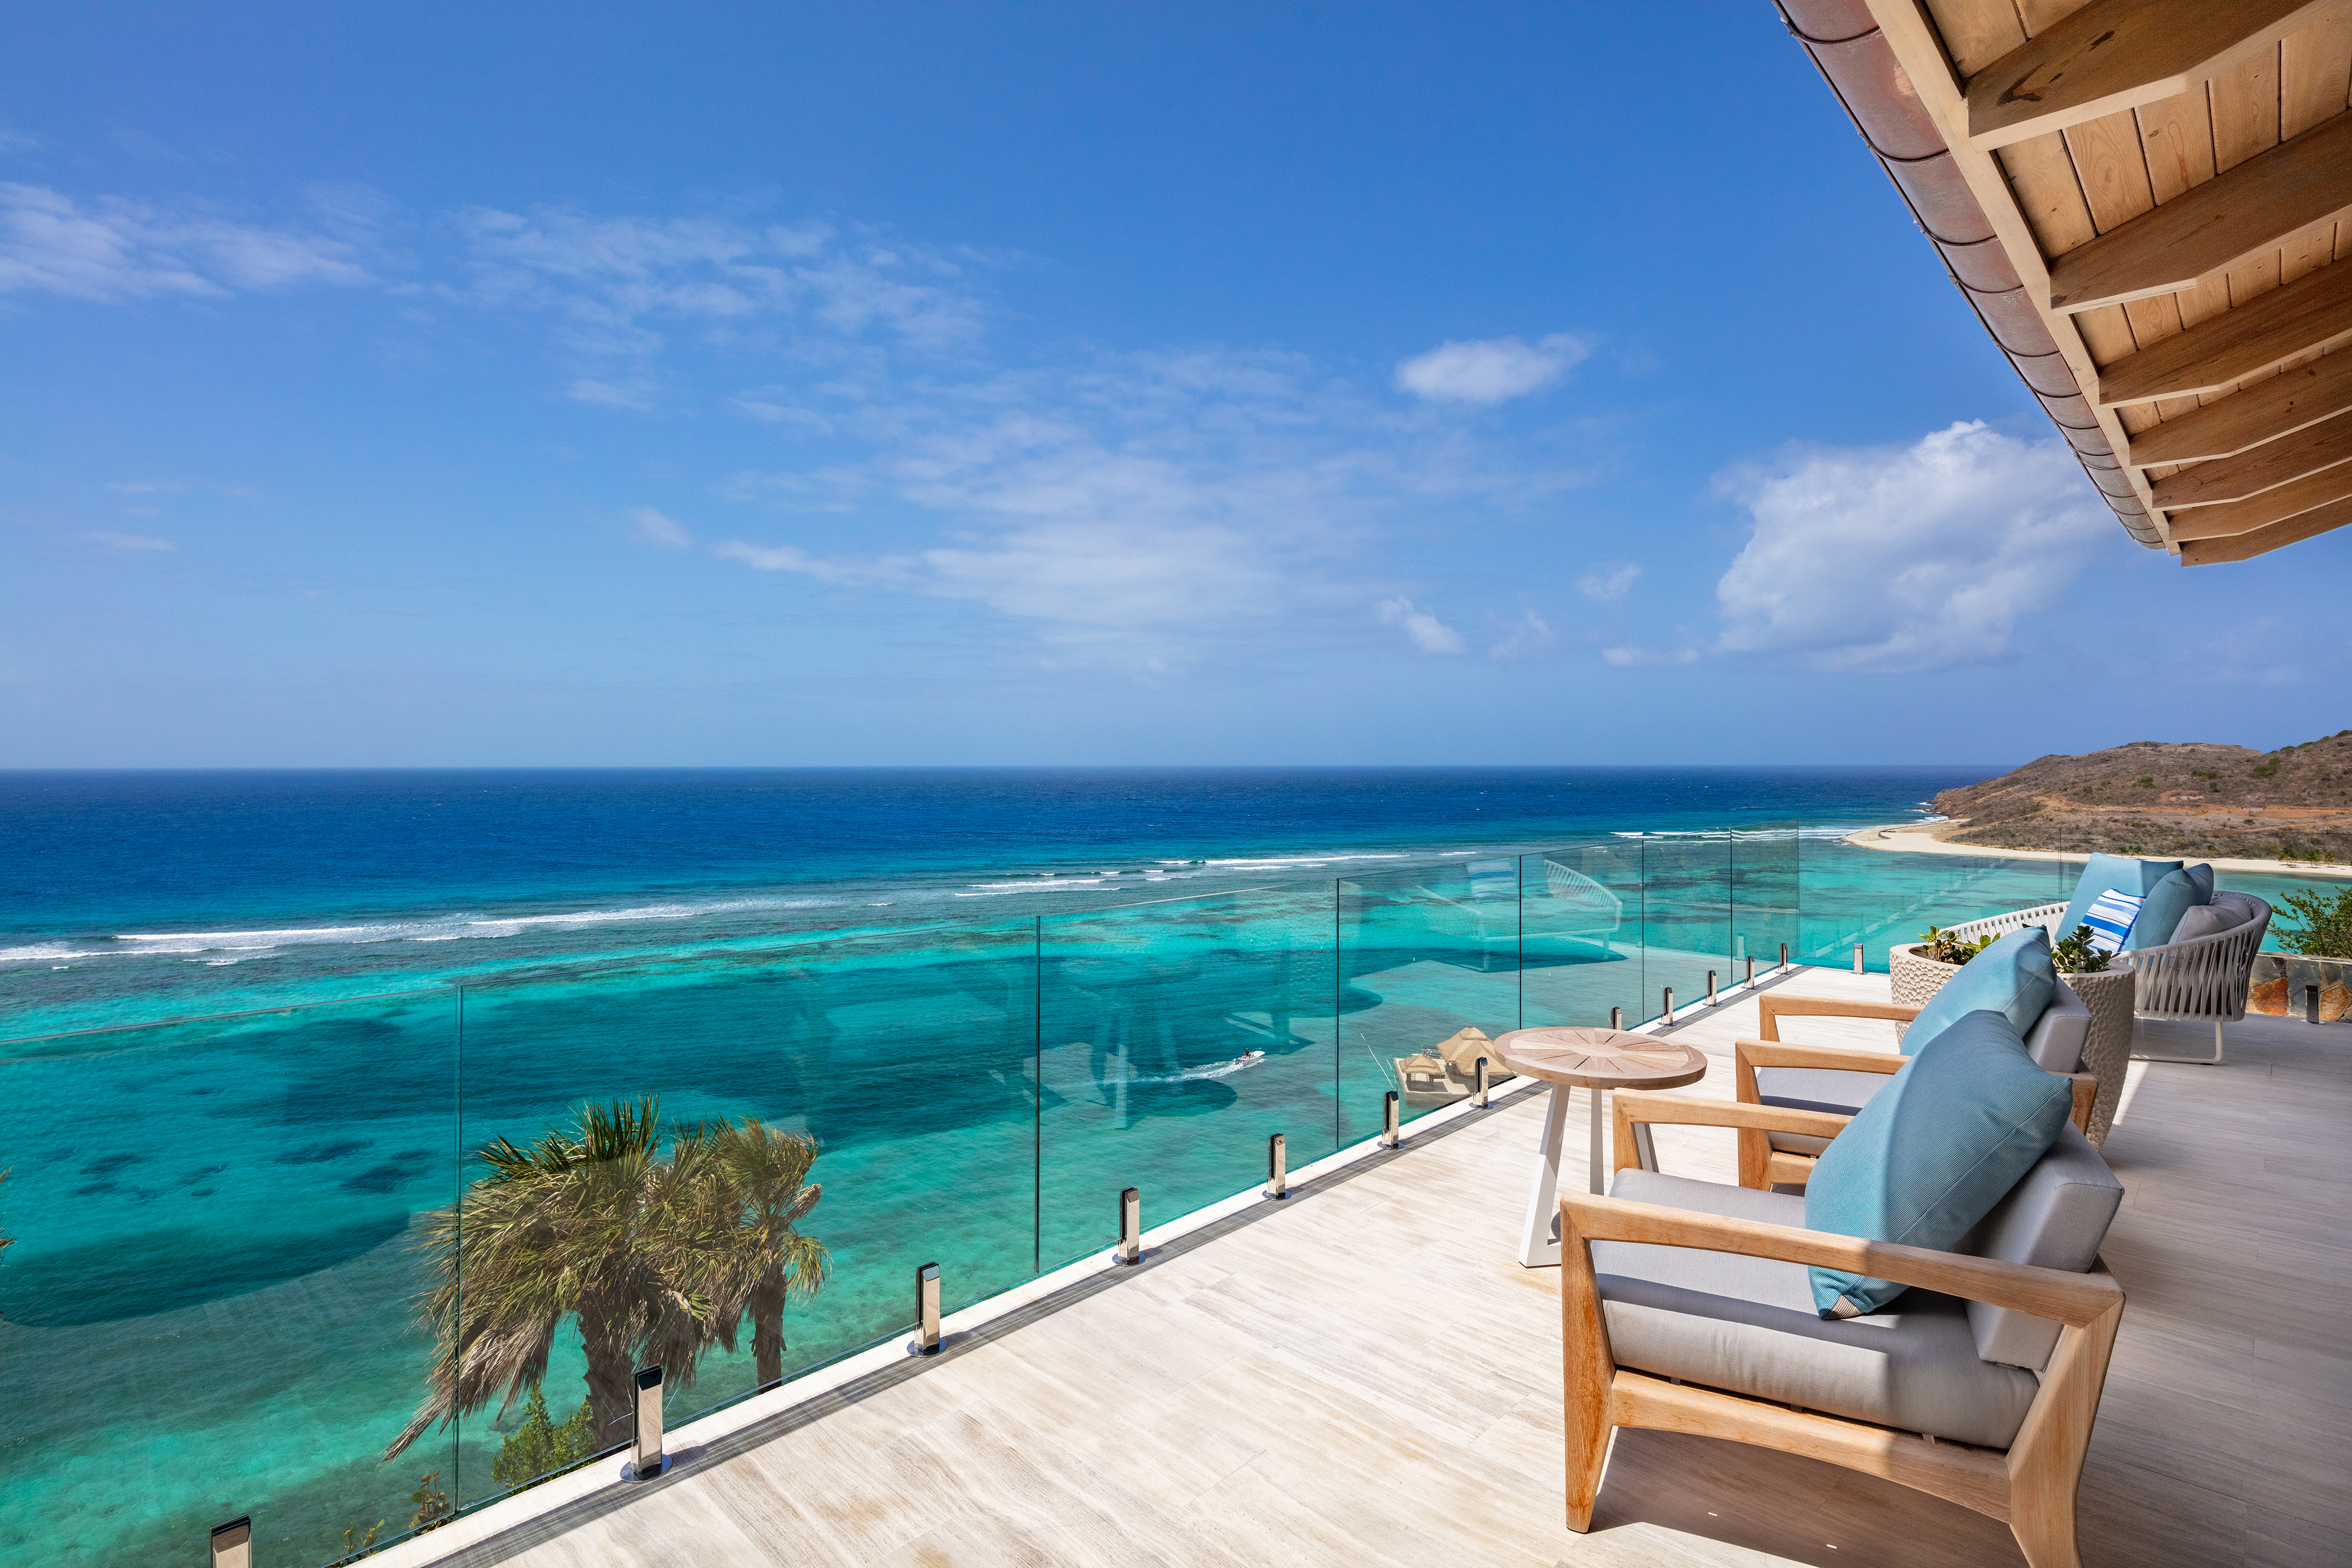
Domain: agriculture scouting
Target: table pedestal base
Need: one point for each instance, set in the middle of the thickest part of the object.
(1539, 1242)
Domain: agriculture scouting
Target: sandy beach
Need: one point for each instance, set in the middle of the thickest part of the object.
(1922, 838)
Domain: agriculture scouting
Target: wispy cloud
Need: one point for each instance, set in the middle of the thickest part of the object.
(660, 529)
(1882, 560)
(1491, 370)
(1635, 658)
(127, 542)
(1530, 636)
(110, 248)
(1608, 580)
(1429, 635)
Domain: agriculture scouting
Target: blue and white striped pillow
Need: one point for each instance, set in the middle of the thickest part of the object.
(2110, 919)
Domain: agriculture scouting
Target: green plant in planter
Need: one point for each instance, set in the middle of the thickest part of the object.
(2325, 929)
(1946, 948)
(2076, 955)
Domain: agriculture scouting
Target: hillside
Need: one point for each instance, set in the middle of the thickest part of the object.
(2157, 798)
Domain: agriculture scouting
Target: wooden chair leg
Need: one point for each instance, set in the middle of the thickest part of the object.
(1588, 1368)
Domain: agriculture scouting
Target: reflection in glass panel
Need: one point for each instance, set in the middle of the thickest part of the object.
(1765, 897)
(1429, 966)
(1580, 914)
(207, 1307)
(1176, 1038)
(642, 1136)
(1688, 928)
(1878, 898)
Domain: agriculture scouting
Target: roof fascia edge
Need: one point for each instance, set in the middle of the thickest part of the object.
(1919, 48)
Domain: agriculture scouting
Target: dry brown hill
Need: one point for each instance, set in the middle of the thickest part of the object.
(2160, 798)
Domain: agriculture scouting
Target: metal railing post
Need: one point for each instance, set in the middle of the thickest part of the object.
(1277, 1167)
(1857, 958)
(1616, 1018)
(1784, 956)
(1389, 1120)
(1479, 1099)
(1130, 1225)
(1710, 988)
(927, 1308)
(648, 1458)
(1668, 991)
(232, 1543)
(1751, 969)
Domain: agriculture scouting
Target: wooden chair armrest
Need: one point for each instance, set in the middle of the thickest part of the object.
(2071, 1299)
(1637, 1110)
(2086, 1093)
(1749, 1054)
(1774, 1006)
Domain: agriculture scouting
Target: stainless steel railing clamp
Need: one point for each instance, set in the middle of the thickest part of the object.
(1130, 1227)
(1277, 1167)
(1711, 1001)
(1616, 1018)
(232, 1543)
(1666, 995)
(647, 1458)
(1480, 1098)
(1389, 1120)
(927, 1311)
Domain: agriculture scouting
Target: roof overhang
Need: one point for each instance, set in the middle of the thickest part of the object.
(2149, 204)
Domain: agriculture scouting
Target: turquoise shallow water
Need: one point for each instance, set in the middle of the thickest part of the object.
(207, 1305)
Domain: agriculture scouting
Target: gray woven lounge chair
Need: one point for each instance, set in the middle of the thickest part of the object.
(2199, 977)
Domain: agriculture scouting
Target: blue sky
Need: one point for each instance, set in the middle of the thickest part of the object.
(1034, 384)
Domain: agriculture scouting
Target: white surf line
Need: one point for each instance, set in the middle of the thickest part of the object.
(604, 1475)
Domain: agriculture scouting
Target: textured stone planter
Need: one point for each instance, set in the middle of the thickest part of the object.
(2107, 995)
(2106, 1054)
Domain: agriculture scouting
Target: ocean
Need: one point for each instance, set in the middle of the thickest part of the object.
(257, 1024)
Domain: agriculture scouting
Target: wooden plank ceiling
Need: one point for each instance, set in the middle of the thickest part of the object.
(2171, 180)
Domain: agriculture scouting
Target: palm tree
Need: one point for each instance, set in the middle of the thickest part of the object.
(589, 1223)
(763, 1168)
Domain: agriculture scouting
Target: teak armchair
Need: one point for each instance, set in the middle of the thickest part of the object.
(1761, 1166)
(2030, 1486)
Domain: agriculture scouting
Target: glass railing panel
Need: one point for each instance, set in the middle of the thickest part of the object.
(1688, 927)
(1426, 952)
(1879, 898)
(207, 1306)
(1580, 916)
(1765, 898)
(689, 1094)
(1178, 1037)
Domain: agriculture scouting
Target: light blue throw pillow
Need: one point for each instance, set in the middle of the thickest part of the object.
(2172, 897)
(2137, 878)
(1932, 1152)
(2014, 977)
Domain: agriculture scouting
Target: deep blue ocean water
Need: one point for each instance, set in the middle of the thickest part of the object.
(134, 895)
(995, 996)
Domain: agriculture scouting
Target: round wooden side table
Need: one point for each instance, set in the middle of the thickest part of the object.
(1597, 1059)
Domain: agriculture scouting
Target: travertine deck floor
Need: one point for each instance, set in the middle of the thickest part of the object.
(1363, 1376)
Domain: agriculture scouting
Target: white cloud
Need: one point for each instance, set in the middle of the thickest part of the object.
(1884, 561)
(1430, 634)
(586, 390)
(1149, 509)
(128, 542)
(791, 558)
(1610, 580)
(110, 248)
(620, 282)
(13, 141)
(1633, 658)
(1490, 370)
(657, 528)
(1528, 638)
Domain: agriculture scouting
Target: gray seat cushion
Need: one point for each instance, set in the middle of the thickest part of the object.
(2056, 1217)
(1748, 1325)
(1815, 1088)
(2056, 1042)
